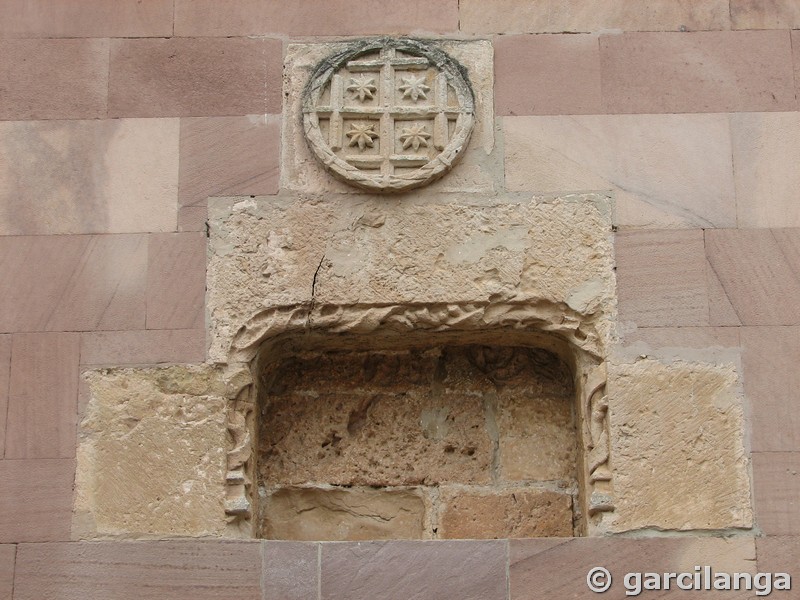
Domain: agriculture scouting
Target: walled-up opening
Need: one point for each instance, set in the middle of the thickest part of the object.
(409, 439)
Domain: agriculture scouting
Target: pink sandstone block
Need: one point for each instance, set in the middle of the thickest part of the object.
(581, 16)
(195, 77)
(43, 396)
(228, 156)
(290, 570)
(446, 570)
(147, 570)
(547, 75)
(36, 500)
(661, 278)
(73, 283)
(765, 14)
(87, 18)
(100, 176)
(8, 553)
(176, 280)
(711, 71)
(313, 17)
(770, 356)
(152, 346)
(776, 483)
(53, 79)
(759, 272)
(5, 370)
(779, 554)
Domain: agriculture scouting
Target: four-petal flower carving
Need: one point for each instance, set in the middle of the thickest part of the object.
(361, 135)
(414, 137)
(414, 87)
(363, 87)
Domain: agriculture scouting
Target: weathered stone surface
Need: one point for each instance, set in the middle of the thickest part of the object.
(342, 514)
(301, 172)
(414, 570)
(290, 571)
(580, 16)
(558, 568)
(152, 453)
(507, 513)
(153, 570)
(677, 451)
(636, 156)
(765, 14)
(545, 253)
(106, 176)
(7, 556)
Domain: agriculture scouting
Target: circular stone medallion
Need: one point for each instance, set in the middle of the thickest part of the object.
(388, 115)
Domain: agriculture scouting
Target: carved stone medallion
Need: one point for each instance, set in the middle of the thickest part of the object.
(388, 115)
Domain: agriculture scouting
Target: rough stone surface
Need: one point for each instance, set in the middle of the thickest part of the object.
(545, 253)
(509, 513)
(301, 172)
(677, 451)
(342, 514)
(152, 453)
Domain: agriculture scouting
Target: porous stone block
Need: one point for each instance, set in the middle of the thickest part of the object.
(507, 513)
(201, 570)
(73, 283)
(302, 172)
(314, 17)
(765, 152)
(541, 252)
(53, 79)
(88, 18)
(42, 395)
(582, 16)
(758, 272)
(677, 446)
(342, 514)
(152, 453)
(548, 75)
(108, 176)
(430, 569)
(194, 77)
(636, 157)
(704, 71)
(558, 568)
(36, 503)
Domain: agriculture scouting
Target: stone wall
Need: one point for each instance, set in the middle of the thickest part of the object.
(119, 119)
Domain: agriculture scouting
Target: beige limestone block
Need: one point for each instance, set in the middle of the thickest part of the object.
(635, 156)
(301, 172)
(508, 513)
(766, 152)
(113, 176)
(548, 253)
(152, 454)
(557, 16)
(677, 449)
(343, 514)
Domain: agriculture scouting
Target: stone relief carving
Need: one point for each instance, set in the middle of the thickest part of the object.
(388, 115)
(596, 432)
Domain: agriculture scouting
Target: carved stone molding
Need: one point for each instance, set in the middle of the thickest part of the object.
(388, 115)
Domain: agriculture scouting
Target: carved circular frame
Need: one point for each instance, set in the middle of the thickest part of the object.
(457, 78)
